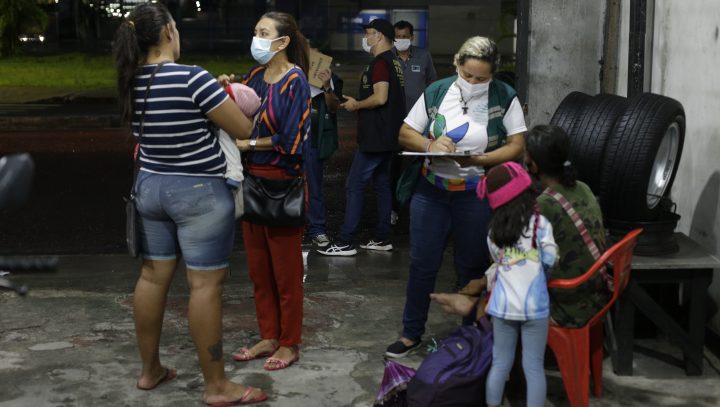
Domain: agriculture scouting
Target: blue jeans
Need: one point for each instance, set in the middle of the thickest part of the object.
(316, 199)
(534, 338)
(366, 167)
(435, 215)
(194, 214)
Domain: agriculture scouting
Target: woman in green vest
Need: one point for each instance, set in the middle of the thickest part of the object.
(467, 113)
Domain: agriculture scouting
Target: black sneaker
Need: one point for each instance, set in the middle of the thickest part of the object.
(338, 249)
(383, 245)
(399, 350)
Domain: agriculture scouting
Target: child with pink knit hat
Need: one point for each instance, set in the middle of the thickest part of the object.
(523, 248)
(248, 102)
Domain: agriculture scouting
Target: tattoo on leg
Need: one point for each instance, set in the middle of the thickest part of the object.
(216, 351)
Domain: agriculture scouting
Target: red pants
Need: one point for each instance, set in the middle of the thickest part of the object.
(275, 265)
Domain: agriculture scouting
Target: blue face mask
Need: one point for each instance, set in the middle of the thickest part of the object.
(260, 49)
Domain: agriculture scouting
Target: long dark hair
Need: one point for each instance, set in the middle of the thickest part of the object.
(130, 46)
(298, 50)
(509, 221)
(549, 147)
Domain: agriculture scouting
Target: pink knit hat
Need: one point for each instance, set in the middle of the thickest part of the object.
(503, 183)
(245, 98)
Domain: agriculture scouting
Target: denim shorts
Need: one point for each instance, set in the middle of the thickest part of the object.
(192, 216)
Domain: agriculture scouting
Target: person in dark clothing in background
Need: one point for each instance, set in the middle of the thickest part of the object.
(419, 72)
(381, 109)
(323, 142)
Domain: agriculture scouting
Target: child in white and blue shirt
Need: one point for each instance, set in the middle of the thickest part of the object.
(522, 245)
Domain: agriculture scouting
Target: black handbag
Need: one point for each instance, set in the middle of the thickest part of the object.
(132, 231)
(274, 202)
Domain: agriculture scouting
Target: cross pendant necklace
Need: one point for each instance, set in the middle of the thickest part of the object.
(464, 104)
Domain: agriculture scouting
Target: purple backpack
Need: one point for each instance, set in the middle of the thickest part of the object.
(455, 374)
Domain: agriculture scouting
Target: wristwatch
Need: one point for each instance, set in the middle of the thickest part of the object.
(252, 144)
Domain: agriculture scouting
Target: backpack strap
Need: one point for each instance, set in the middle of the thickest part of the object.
(580, 225)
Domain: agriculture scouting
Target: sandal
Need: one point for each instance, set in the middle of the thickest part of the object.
(244, 354)
(245, 399)
(273, 363)
(169, 375)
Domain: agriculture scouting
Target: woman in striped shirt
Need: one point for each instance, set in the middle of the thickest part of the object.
(274, 150)
(184, 205)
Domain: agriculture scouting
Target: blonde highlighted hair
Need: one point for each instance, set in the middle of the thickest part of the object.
(478, 47)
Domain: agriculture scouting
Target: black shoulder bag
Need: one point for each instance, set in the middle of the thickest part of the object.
(132, 231)
(273, 202)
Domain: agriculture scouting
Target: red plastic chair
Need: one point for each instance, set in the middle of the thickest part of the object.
(579, 351)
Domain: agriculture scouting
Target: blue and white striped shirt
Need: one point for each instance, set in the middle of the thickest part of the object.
(177, 139)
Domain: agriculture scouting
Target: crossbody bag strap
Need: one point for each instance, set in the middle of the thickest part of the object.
(580, 225)
(142, 126)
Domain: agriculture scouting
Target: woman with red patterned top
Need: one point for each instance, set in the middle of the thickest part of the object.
(274, 150)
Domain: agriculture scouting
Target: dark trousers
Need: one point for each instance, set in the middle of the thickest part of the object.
(316, 198)
(435, 216)
(366, 167)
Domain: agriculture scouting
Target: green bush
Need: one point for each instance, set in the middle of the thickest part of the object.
(86, 72)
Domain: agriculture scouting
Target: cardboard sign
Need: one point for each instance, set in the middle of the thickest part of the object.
(318, 63)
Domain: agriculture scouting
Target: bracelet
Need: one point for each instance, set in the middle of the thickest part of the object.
(427, 147)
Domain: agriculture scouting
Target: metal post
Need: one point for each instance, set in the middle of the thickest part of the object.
(609, 71)
(636, 49)
(522, 50)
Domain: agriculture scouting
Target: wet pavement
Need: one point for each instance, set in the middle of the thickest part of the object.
(71, 342)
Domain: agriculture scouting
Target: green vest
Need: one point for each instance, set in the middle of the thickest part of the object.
(326, 140)
(500, 96)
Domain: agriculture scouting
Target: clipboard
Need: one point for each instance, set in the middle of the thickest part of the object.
(318, 63)
(439, 154)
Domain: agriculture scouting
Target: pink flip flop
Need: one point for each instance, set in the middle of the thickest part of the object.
(170, 374)
(244, 355)
(273, 363)
(245, 399)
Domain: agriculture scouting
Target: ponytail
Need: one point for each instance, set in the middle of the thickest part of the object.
(568, 178)
(130, 45)
(298, 50)
(127, 56)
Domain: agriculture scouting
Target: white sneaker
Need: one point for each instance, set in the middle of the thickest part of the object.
(321, 240)
(384, 245)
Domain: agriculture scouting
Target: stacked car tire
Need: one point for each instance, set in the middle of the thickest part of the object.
(627, 150)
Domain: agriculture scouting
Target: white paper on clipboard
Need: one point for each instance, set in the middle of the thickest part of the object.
(440, 154)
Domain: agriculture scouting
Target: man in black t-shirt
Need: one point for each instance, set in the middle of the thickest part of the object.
(381, 110)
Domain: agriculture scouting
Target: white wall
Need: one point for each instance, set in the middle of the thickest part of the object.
(565, 43)
(566, 39)
(450, 25)
(686, 58)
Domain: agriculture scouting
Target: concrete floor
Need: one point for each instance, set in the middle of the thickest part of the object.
(70, 342)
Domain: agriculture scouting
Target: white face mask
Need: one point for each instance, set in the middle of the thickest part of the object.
(403, 44)
(471, 90)
(366, 46)
(260, 49)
